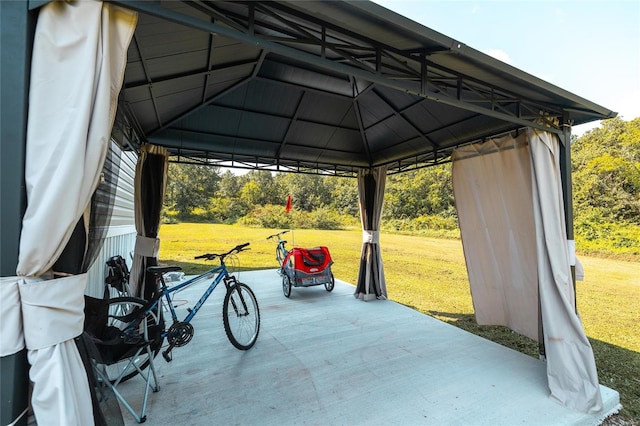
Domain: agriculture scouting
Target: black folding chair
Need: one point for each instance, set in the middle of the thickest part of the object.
(127, 339)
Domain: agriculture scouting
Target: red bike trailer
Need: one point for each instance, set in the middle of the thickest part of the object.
(306, 267)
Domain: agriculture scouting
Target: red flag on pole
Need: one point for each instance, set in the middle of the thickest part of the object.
(287, 209)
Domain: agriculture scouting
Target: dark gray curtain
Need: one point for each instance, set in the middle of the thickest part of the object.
(85, 244)
(76, 258)
(150, 186)
(102, 204)
(371, 282)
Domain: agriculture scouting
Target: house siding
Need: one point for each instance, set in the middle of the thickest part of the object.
(121, 236)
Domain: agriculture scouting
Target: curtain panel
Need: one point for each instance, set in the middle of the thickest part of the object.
(150, 186)
(79, 57)
(510, 206)
(371, 282)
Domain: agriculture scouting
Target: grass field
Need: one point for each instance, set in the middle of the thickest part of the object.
(429, 275)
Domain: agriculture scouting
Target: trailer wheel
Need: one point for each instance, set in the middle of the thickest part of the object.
(286, 285)
(330, 284)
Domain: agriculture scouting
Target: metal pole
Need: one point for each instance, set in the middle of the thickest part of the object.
(17, 26)
(565, 172)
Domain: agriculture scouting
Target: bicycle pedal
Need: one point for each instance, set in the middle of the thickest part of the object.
(167, 356)
(189, 310)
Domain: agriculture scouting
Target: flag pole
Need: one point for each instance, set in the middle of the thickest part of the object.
(287, 210)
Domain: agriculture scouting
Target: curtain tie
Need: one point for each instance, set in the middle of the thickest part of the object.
(52, 310)
(371, 237)
(146, 246)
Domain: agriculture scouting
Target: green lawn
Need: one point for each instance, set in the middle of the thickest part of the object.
(429, 275)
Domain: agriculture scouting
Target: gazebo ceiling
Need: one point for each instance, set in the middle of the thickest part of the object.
(323, 86)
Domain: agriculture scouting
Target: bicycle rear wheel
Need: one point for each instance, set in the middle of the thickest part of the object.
(119, 307)
(241, 316)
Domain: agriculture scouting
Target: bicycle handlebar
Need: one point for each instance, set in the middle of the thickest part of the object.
(236, 249)
(277, 235)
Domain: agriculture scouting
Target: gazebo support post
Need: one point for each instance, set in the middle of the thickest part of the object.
(565, 171)
(18, 28)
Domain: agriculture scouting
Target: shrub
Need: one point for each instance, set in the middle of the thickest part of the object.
(169, 216)
(433, 226)
(594, 235)
(322, 218)
(274, 216)
(225, 210)
(269, 216)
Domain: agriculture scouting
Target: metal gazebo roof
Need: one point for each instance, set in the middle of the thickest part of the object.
(322, 86)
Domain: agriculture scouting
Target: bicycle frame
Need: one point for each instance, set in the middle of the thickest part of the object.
(281, 251)
(239, 299)
(221, 274)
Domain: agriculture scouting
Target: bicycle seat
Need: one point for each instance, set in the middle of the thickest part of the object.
(159, 270)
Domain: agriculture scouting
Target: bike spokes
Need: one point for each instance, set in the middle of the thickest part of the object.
(241, 316)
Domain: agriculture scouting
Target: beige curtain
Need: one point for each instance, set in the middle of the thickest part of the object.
(79, 57)
(510, 205)
(571, 367)
(492, 187)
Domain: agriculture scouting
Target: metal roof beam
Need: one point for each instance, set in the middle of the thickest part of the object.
(397, 113)
(210, 47)
(204, 72)
(191, 156)
(283, 116)
(149, 83)
(212, 98)
(363, 133)
(305, 88)
(291, 121)
(169, 139)
(325, 63)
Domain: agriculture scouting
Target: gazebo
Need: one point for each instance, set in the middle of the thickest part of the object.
(345, 88)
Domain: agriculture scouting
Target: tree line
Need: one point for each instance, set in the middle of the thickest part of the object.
(203, 193)
(606, 188)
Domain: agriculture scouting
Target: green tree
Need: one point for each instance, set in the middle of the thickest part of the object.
(344, 195)
(424, 192)
(606, 172)
(259, 189)
(230, 185)
(190, 186)
(225, 210)
(308, 192)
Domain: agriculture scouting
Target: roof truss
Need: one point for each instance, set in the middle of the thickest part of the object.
(341, 51)
(409, 96)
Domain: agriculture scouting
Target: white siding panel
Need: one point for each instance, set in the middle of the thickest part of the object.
(121, 237)
(123, 211)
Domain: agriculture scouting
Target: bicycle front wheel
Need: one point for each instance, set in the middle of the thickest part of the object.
(241, 316)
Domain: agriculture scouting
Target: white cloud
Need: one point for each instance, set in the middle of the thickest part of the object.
(584, 128)
(500, 55)
(560, 15)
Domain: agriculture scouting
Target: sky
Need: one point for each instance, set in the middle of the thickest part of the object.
(590, 48)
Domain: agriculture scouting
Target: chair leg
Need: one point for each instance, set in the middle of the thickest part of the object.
(151, 371)
(147, 376)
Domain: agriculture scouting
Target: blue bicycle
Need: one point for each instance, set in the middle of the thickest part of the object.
(240, 312)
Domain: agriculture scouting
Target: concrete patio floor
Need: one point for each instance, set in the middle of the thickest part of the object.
(328, 359)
